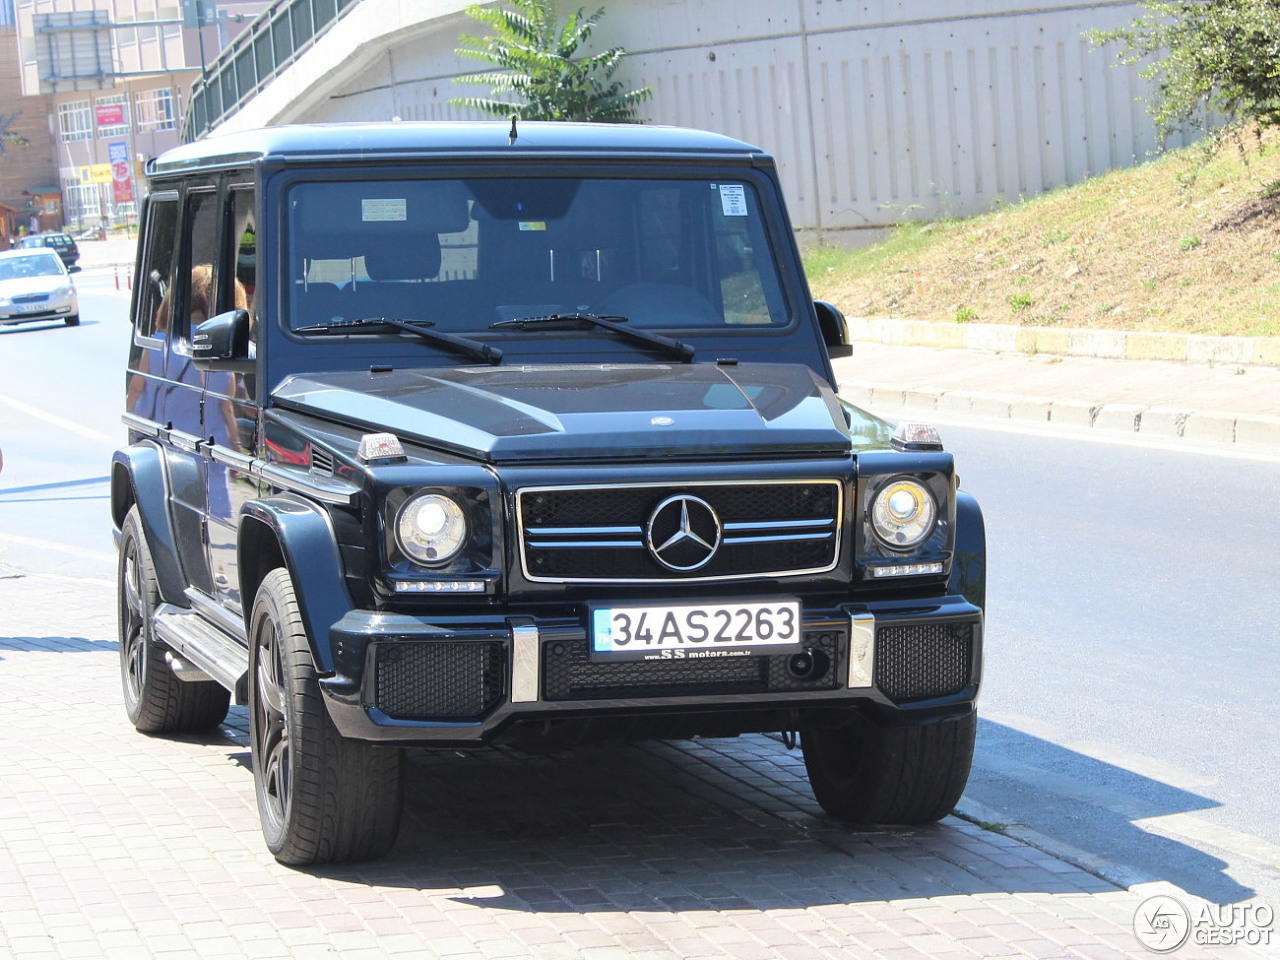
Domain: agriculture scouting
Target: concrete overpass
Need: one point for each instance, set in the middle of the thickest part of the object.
(878, 112)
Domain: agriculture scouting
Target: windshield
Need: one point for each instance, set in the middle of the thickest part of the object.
(687, 255)
(35, 265)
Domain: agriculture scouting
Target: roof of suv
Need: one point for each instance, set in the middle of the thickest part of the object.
(404, 138)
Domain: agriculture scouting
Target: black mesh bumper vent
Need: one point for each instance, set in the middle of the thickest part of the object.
(570, 674)
(916, 662)
(437, 680)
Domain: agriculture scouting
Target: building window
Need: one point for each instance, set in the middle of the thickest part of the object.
(154, 109)
(83, 201)
(75, 121)
(111, 115)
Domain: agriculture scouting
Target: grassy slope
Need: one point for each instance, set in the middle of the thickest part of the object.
(1158, 247)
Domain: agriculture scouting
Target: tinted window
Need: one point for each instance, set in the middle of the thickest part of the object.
(675, 254)
(155, 285)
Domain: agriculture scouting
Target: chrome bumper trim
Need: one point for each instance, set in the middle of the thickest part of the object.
(525, 650)
(862, 650)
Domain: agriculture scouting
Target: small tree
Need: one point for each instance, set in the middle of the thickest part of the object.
(1206, 55)
(536, 57)
(8, 136)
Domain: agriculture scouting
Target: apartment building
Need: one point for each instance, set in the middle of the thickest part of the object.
(114, 76)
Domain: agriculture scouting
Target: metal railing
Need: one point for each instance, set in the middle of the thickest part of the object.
(275, 39)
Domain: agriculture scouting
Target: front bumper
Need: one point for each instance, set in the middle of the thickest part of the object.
(52, 310)
(412, 680)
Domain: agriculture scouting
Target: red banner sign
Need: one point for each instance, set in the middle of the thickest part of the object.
(110, 115)
(121, 175)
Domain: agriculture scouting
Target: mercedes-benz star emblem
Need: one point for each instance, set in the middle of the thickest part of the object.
(683, 533)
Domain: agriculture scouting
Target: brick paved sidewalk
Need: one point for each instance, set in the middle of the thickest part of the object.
(113, 844)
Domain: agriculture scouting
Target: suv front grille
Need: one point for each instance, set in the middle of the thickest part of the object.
(599, 533)
(916, 662)
(569, 673)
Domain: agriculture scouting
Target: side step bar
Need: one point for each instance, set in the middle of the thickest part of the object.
(205, 647)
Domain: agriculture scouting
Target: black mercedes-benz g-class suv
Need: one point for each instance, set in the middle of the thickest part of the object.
(447, 435)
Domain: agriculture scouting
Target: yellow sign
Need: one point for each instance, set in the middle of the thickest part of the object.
(95, 173)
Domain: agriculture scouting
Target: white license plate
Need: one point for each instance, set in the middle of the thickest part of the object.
(695, 631)
(31, 307)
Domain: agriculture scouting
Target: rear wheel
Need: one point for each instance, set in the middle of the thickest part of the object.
(154, 698)
(322, 798)
(866, 773)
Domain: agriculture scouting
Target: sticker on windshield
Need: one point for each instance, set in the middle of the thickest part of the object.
(533, 224)
(733, 199)
(383, 210)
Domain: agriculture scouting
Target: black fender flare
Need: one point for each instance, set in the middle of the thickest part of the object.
(969, 563)
(139, 476)
(296, 533)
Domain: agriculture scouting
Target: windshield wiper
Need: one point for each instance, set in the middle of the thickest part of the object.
(420, 328)
(677, 348)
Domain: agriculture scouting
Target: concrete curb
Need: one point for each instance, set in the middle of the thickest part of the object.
(1106, 344)
(1146, 421)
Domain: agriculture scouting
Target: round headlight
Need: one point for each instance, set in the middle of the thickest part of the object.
(903, 514)
(431, 528)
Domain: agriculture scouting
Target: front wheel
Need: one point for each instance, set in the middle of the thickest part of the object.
(155, 699)
(73, 320)
(866, 773)
(322, 798)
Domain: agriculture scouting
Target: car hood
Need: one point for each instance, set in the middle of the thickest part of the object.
(25, 286)
(606, 411)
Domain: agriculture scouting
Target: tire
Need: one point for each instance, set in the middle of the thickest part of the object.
(154, 698)
(322, 798)
(73, 320)
(866, 773)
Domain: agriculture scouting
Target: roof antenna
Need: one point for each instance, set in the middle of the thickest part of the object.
(511, 137)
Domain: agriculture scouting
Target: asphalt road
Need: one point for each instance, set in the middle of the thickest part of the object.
(61, 393)
(1130, 679)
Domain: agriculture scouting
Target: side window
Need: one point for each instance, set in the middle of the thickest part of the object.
(201, 229)
(244, 234)
(156, 283)
(244, 252)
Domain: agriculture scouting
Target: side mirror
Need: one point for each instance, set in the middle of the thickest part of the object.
(75, 268)
(835, 332)
(222, 337)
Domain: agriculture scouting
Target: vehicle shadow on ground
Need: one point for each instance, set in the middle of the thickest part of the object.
(690, 825)
(6, 492)
(664, 826)
(36, 326)
(57, 645)
(698, 825)
(1059, 790)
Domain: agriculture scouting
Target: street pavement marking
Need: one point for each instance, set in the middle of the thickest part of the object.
(60, 547)
(73, 427)
(1184, 825)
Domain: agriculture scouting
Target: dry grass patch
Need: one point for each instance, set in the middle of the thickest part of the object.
(1162, 247)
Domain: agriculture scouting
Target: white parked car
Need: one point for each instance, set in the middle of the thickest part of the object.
(34, 285)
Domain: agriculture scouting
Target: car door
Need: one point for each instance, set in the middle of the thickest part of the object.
(230, 406)
(161, 387)
(184, 400)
